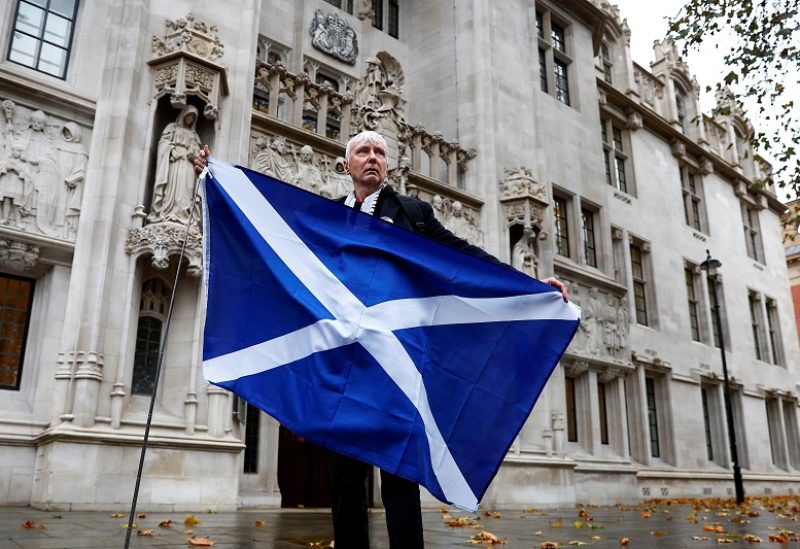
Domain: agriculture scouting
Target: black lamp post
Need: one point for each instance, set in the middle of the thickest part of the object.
(710, 265)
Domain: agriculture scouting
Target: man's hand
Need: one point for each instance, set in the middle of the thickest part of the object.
(200, 161)
(555, 283)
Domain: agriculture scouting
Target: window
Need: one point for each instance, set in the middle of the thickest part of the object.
(774, 429)
(152, 313)
(707, 424)
(562, 81)
(690, 279)
(605, 57)
(572, 412)
(792, 434)
(639, 283)
(251, 438)
(652, 416)
(394, 18)
(333, 124)
(377, 14)
(773, 333)
(16, 299)
(755, 323)
(692, 200)
(346, 5)
(542, 71)
(42, 35)
(562, 226)
(720, 302)
(601, 401)
(751, 231)
(614, 155)
(554, 59)
(589, 250)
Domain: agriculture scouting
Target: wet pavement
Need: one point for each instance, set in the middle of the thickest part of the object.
(644, 526)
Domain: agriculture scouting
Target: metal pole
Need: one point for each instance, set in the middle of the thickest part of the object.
(737, 472)
(161, 354)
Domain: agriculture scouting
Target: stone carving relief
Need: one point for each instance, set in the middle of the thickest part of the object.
(299, 165)
(332, 34)
(18, 256)
(461, 220)
(164, 240)
(650, 89)
(525, 202)
(42, 169)
(191, 35)
(378, 104)
(185, 63)
(605, 326)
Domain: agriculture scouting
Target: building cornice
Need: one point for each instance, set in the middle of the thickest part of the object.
(663, 129)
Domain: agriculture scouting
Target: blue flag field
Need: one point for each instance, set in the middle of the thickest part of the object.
(369, 339)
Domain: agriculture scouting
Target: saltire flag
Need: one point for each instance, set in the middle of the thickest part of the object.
(369, 339)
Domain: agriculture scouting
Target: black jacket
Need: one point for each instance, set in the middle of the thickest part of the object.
(403, 212)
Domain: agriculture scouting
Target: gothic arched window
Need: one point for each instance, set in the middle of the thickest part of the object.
(152, 314)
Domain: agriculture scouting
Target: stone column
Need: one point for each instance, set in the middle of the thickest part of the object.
(274, 91)
(190, 404)
(322, 112)
(593, 444)
(217, 404)
(124, 359)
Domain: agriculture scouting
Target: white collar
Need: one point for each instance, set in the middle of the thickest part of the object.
(369, 203)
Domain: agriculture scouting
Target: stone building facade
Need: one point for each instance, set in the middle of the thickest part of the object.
(527, 126)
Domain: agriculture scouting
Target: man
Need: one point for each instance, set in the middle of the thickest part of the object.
(367, 165)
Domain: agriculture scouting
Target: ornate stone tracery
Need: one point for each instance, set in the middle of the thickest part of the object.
(185, 63)
(524, 200)
(163, 240)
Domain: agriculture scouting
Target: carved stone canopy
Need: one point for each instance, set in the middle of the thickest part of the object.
(185, 63)
(524, 199)
(163, 240)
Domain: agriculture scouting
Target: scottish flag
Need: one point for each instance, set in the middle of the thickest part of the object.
(369, 339)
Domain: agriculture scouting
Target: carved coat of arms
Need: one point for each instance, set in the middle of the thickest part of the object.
(331, 34)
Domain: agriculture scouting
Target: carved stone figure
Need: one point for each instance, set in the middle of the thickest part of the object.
(337, 182)
(274, 160)
(378, 103)
(72, 159)
(459, 222)
(173, 190)
(332, 34)
(308, 175)
(16, 187)
(523, 254)
(40, 154)
(7, 130)
(591, 322)
(440, 209)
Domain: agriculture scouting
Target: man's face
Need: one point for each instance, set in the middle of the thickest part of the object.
(367, 164)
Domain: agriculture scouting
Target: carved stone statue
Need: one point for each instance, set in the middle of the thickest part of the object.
(40, 154)
(173, 190)
(308, 175)
(7, 129)
(523, 254)
(72, 159)
(274, 160)
(337, 182)
(16, 187)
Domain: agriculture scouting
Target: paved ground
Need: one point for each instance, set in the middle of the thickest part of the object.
(664, 525)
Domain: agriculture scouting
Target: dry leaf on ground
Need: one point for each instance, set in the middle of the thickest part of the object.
(191, 520)
(200, 542)
(144, 532)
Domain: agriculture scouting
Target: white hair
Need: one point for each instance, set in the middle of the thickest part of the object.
(365, 137)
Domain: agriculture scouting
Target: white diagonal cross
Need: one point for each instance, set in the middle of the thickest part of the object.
(372, 327)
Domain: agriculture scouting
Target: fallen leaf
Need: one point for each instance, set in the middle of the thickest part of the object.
(125, 525)
(720, 541)
(658, 533)
(538, 533)
(486, 537)
(549, 545)
(750, 538)
(558, 523)
(443, 510)
(144, 532)
(191, 520)
(624, 541)
(165, 523)
(188, 532)
(116, 515)
(30, 524)
(259, 523)
(646, 513)
(200, 542)
(141, 516)
(577, 543)
(56, 516)
(701, 538)
(211, 511)
(492, 514)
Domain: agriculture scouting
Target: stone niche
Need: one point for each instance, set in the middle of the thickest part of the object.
(43, 161)
(525, 203)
